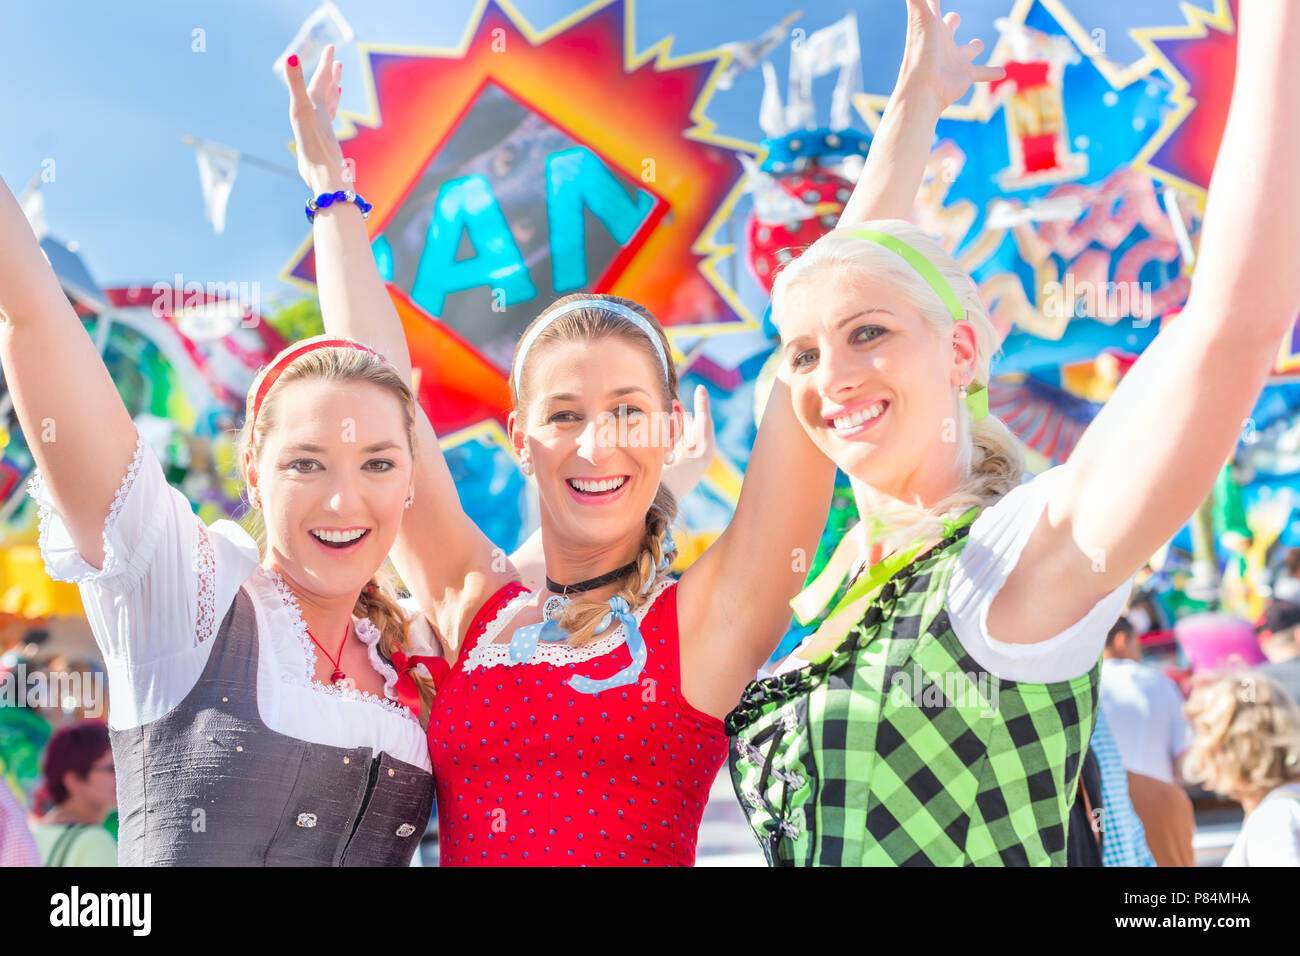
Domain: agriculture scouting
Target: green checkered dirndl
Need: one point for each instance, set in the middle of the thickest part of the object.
(890, 751)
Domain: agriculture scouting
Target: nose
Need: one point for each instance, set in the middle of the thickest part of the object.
(839, 372)
(344, 494)
(595, 442)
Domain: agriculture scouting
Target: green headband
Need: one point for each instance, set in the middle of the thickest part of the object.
(977, 397)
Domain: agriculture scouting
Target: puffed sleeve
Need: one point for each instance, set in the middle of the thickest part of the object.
(161, 565)
(997, 539)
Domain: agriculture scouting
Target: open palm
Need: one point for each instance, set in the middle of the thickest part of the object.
(311, 114)
(933, 59)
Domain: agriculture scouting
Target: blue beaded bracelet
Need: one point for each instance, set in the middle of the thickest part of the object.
(325, 200)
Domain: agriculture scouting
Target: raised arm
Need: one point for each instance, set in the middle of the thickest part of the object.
(935, 73)
(738, 591)
(448, 564)
(1152, 454)
(79, 432)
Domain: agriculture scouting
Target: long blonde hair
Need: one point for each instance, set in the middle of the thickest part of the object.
(582, 617)
(377, 601)
(991, 458)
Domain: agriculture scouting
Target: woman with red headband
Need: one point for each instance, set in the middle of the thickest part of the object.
(264, 709)
(582, 723)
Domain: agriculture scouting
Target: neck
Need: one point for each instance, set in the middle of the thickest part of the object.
(327, 617)
(74, 810)
(570, 564)
(922, 489)
(1251, 800)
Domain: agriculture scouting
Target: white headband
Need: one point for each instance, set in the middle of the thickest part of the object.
(609, 306)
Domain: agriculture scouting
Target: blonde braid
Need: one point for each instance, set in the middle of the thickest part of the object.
(582, 617)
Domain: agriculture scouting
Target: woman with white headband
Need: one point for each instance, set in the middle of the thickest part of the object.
(940, 714)
(583, 723)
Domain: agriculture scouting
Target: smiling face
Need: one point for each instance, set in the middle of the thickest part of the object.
(333, 474)
(871, 379)
(596, 427)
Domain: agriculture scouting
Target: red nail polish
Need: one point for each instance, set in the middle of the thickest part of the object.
(293, 60)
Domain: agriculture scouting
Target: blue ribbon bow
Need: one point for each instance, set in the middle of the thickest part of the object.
(524, 643)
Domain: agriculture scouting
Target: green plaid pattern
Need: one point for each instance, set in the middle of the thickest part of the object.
(899, 749)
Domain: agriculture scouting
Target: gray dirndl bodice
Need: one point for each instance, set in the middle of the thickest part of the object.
(209, 784)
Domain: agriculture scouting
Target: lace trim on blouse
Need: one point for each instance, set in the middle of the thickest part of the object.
(205, 571)
(36, 488)
(308, 679)
(369, 634)
(488, 652)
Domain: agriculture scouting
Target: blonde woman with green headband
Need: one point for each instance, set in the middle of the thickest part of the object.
(940, 715)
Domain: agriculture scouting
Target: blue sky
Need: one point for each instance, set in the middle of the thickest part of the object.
(106, 90)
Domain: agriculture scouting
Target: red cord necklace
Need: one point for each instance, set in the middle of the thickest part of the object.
(338, 678)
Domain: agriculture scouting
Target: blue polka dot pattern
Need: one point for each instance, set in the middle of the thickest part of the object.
(626, 769)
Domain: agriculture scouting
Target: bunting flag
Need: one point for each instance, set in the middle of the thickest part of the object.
(217, 168)
(325, 26)
(746, 56)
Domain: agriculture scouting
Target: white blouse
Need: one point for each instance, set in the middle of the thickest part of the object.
(165, 587)
(997, 537)
(993, 547)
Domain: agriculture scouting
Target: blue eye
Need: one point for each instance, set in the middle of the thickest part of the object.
(798, 360)
(856, 337)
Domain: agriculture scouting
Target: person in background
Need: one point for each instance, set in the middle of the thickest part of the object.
(1278, 640)
(17, 848)
(1125, 841)
(1287, 586)
(80, 788)
(1143, 707)
(1247, 748)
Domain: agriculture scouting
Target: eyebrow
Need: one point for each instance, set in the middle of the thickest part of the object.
(616, 393)
(839, 325)
(316, 449)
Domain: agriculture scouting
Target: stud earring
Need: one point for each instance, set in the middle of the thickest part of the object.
(409, 501)
(670, 457)
(526, 467)
(961, 393)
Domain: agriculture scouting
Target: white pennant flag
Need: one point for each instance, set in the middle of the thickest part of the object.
(33, 206)
(217, 168)
(325, 26)
(832, 48)
(746, 56)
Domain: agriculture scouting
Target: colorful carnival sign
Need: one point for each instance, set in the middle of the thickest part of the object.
(522, 165)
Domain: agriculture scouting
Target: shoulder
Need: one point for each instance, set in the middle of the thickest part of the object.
(996, 594)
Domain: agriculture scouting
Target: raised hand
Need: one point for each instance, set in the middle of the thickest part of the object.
(695, 448)
(311, 114)
(932, 59)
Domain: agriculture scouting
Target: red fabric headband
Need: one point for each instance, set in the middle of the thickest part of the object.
(288, 358)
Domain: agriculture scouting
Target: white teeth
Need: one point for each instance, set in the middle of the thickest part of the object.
(858, 417)
(339, 537)
(590, 487)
